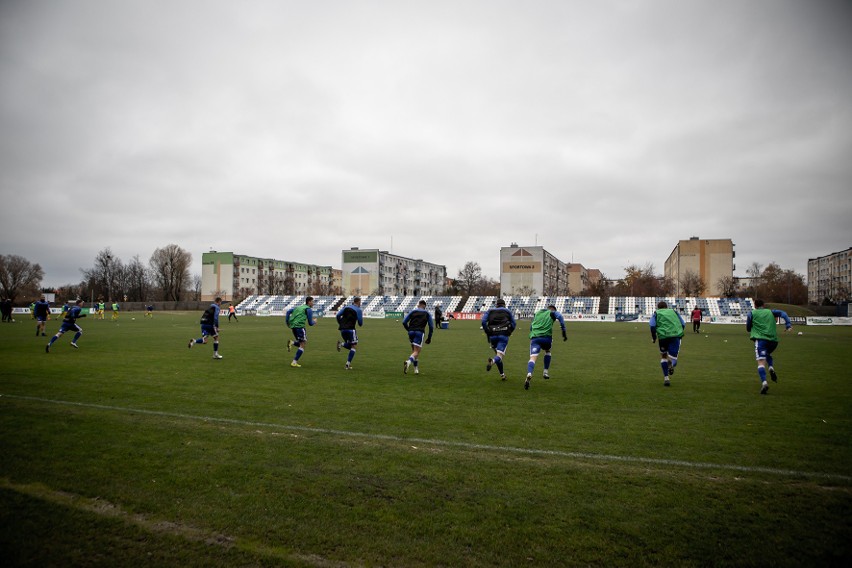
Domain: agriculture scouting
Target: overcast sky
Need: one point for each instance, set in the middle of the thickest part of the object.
(603, 130)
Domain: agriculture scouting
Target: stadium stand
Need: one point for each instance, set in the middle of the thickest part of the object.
(521, 306)
(710, 306)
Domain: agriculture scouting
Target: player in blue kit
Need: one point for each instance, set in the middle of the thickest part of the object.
(667, 326)
(41, 311)
(296, 319)
(347, 318)
(761, 324)
(69, 324)
(415, 323)
(498, 323)
(210, 327)
(541, 339)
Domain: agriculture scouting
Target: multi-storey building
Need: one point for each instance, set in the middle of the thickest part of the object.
(534, 271)
(709, 259)
(234, 276)
(830, 277)
(374, 271)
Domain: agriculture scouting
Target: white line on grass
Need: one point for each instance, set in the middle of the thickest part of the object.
(447, 443)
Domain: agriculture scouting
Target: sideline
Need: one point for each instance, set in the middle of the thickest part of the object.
(452, 444)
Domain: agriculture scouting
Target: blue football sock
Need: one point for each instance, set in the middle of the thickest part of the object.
(762, 372)
(665, 365)
(530, 367)
(299, 352)
(216, 347)
(77, 336)
(351, 355)
(546, 361)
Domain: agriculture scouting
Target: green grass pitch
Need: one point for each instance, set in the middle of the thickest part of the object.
(134, 450)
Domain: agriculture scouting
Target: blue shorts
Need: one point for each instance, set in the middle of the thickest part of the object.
(538, 344)
(301, 334)
(349, 336)
(499, 342)
(763, 348)
(70, 327)
(41, 319)
(669, 346)
(208, 330)
(416, 338)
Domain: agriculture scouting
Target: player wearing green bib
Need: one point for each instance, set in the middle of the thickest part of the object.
(541, 339)
(667, 325)
(296, 319)
(761, 325)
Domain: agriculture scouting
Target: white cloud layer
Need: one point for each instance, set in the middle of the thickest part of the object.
(604, 131)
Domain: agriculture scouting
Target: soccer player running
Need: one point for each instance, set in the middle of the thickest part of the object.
(296, 319)
(667, 325)
(761, 325)
(210, 327)
(232, 313)
(541, 339)
(498, 323)
(42, 311)
(69, 323)
(346, 318)
(114, 311)
(415, 323)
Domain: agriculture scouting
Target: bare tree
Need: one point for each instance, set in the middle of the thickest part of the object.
(18, 276)
(170, 271)
(754, 270)
(104, 278)
(524, 291)
(600, 287)
(196, 287)
(727, 286)
(69, 292)
(641, 281)
(691, 284)
(277, 283)
(780, 285)
(488, 287)
(469, 278)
